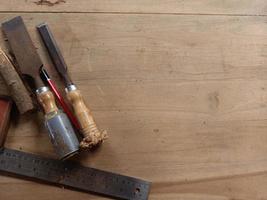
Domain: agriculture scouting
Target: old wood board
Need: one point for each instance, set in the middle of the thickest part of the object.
(180, 87)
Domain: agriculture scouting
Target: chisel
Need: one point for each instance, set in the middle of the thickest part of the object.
(92, 135)
(30, 65)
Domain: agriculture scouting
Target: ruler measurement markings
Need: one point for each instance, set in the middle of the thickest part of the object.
(73, 175)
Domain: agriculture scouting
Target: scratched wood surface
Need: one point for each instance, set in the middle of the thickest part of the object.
(239, 7)
(179, 85)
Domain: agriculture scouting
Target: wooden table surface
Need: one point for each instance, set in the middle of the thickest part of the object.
(180, 86)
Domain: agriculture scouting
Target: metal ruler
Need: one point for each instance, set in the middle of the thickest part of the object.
(72, 175)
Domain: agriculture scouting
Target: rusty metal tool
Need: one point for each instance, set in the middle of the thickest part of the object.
(59, 127)
(72, 175)
(92, 135)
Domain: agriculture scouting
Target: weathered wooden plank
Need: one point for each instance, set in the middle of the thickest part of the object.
(183, 85)
(239, 187)
(183, 97)
(239, 7)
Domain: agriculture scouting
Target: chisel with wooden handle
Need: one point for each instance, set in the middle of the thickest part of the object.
(60, 130)
(92, 135)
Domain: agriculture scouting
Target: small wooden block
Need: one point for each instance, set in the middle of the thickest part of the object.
(5, 110)
(17, 89)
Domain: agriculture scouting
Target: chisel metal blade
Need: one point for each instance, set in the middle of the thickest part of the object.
(54, 52)
(61, 67)
(23, 49)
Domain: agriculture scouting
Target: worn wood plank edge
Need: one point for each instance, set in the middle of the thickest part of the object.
(132, 13)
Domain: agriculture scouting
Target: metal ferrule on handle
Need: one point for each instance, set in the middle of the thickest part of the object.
(59, 98)
(60, 130)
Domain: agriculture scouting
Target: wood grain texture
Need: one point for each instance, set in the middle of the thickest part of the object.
(47, 100)
(183, 98)
(236, 7)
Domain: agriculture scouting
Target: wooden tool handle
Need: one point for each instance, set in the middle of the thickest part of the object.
(47, 100)
(92, 135)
